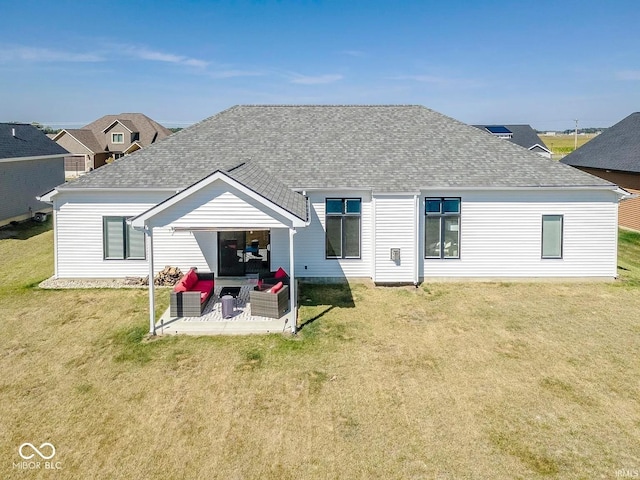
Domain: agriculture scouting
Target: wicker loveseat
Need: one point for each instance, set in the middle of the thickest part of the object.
(190, 294)
(265, 303)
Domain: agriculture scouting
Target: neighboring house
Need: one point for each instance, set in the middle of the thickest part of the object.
(522, 135)
(615, 156)
(30, 163)
(396, 194)
(111, 136)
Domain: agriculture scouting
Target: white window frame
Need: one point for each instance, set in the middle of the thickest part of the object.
(559, 217)
(343, 216)
(126, 241)
(113, 139)
(442, 216)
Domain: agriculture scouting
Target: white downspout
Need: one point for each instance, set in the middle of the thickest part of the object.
(55, 241)
(373, 238)
(152, 300)
(292, 284)
(416, 279)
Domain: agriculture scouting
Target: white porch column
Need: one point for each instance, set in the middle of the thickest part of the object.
(293, 297)
(417, 257)
(152, 299)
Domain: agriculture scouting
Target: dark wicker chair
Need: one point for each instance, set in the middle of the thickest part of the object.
(269, 278)
(189, 304)
(267, 304)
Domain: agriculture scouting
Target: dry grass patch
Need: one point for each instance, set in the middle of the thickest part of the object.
(468, 380)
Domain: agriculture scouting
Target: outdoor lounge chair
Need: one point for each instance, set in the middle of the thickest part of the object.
(264, 303)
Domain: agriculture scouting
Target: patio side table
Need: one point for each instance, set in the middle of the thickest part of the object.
(228, 306)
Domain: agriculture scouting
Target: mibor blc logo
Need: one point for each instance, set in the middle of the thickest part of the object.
(33, 457)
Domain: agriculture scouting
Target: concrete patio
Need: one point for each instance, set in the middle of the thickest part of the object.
(211, 321)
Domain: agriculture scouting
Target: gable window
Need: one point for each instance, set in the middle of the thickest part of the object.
(343, 227)
(121, 241)
(117, 138)
(442, 227)
(552, 226)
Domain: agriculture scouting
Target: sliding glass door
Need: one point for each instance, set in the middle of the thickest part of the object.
(231, 253)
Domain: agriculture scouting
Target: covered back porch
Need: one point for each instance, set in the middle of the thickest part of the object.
(212, 322)
(242, 213)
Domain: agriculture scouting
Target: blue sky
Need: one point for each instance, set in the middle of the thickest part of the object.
(66, 63)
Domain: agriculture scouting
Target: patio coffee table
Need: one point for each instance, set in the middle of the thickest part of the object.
(233, 291)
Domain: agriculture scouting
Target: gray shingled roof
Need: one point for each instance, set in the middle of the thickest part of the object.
(383, 148)
(617, 148)
(28, 142)
(260, 181)
(523, 135)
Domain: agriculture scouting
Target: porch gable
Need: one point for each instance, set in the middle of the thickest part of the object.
(217, 202)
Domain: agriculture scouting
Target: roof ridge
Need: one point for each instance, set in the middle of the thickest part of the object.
(332, 105)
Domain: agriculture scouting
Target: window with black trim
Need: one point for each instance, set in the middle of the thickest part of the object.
(442, 227)
(121, 241)
(552, 228)
(342, 216)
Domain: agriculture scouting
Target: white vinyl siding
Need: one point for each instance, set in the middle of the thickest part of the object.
(310, 245)
(280, 249)
(501, 235)
(395, 220)
(79, 239)
(79, 233)
(217, 207)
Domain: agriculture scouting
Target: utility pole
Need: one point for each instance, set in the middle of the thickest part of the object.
(575, 143)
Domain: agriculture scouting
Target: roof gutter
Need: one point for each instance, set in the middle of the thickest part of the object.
(37, 157)
(527, 187)
(624, 194)
(48, 197)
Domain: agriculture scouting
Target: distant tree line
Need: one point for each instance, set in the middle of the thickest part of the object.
(571, 131)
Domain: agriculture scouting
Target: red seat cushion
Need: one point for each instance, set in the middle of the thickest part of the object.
(280, 273)
(203, 286)
(276, 288)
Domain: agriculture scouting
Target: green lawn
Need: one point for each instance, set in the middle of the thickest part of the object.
(452, 380)
(564, 144)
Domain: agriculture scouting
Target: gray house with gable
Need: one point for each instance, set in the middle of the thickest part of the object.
(30, 163)
(520, 134)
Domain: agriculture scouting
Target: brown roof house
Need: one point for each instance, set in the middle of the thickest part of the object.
(615, 156)
(111, 136)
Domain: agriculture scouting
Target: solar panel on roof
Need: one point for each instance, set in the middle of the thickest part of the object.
(498, 129)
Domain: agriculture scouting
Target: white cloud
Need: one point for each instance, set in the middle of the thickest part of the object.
(315, 80)
(439, 81)
(32, 54)
(157, 56)
(628, 75)
(236, 73)
(354, 53)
